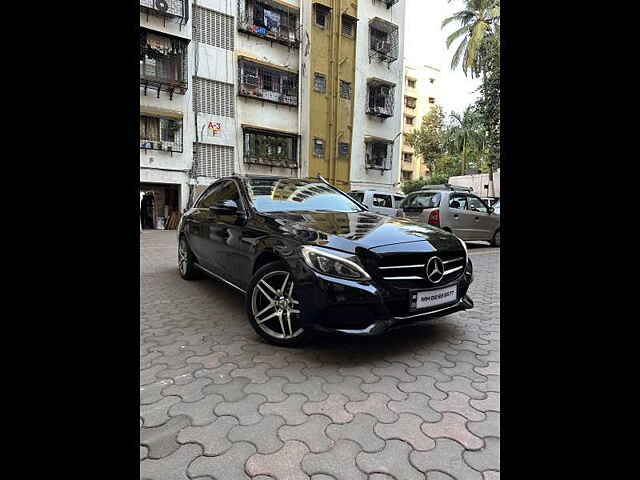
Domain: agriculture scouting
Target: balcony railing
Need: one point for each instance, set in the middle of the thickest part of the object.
(266, 83)
(269, 20)
(270, 148)
(163, 62)
(383, 40)
(166, 8)
(381, 99)
(163, 134)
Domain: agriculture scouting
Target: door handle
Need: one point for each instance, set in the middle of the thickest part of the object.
(456, 216)
(477, 218)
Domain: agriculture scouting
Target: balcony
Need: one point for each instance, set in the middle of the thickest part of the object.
(274, 149)
(269, 20)
(267, 83)
(410, 103)
(380, 100)
(390, 3)
(383, 41)
(159, 133)
(163, 63)
(378, 153)
(173, 9)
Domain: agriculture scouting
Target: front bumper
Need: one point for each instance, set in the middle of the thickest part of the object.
(334, 305)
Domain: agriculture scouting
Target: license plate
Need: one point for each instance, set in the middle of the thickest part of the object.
(432, 298)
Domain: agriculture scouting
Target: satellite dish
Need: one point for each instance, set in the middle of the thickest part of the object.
(161, 5)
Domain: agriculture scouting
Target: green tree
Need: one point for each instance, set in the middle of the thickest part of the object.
(413, 185)
(428, 140)
(464, 136)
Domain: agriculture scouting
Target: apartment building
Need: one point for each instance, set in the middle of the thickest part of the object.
(377, 123)
(421, 92)
(165, 126)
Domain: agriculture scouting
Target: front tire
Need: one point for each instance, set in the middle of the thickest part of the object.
(495, 241)
(272, 308)
(186, 261)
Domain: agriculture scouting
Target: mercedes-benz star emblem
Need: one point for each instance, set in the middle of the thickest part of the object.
(435, 269)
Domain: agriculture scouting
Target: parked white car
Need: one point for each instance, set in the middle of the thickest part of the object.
(385, 203)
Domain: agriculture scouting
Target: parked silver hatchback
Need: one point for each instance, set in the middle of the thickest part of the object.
(384, 203)
(456, 210)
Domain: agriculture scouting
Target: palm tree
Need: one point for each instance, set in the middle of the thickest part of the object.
(464, 134)
(479, 23)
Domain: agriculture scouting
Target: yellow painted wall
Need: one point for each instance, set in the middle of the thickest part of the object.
(331, 117)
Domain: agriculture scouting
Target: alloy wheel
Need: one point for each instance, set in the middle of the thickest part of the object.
(182, 256)
(274, 307)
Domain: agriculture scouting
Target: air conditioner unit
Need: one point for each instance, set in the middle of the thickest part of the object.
(383, 46)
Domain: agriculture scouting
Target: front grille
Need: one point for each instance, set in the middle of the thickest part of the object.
(408, 270)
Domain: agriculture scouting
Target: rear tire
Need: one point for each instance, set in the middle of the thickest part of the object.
(272, 308)
(186, 261)
(495, 241)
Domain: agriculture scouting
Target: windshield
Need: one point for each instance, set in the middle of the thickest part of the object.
(292, 194)
(359, 196)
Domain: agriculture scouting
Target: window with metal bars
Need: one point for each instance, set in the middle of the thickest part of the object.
(318, 147)
(343, 150)
(213, 160)
(157, 133)
(270, 148)
(266, 83)
(213, 28)
(383, 40)
(348, 26)
(321, 15)
(381, 99)
(345, 89)
(410, 102)
(320, 83)
(270, 20)
(212, 97)
(378, 154)
(163, 60)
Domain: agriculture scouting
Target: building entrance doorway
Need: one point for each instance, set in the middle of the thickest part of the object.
(159, 203)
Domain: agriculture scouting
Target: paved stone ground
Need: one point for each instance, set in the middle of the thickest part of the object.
(218, 403)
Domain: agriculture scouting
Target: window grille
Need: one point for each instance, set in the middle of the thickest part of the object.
(343, 149)
(348, 26)
(383, 40)
(345, 89)
(320, 83)
(318, 147)
(157, 133)
(378, 154)
(410, 102)
(163, 61)
(172, 8)
(381, 99)
(213, 160)
(212, 28)
(266, 83)
(270, 148)
(321, 15)
(212, 97)
(270, 20)
(408, 157)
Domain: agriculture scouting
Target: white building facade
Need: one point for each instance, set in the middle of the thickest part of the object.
(379, 92)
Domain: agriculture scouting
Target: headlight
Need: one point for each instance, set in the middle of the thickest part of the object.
(333, 263)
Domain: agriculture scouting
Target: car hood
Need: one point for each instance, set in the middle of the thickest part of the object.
(350, 231)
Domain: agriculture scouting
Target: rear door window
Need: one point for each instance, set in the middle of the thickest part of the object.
(476, 204)
(423, 200)
(380, 200)
(458, 201)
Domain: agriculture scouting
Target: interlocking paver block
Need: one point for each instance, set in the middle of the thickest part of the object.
(291, 372)
(283, 465)
(492, 369)
(144, 451)
(311, 433)
(228, 465)
(377, 405)
(180, 375)
(407, 428)
(213, 437)
(155, 414)
(489, 427)
(432, 355)
(174, 361)
(328, 372)
(491, 475)
(172, 467)
(339, 462)
(310, 388)
(262, 434)
(418, 404)
(453, 426)
(380, 476)
(462, 385)
(439, 476)
(396, 370)
(425, 385)
(161, 441)
(445, 457)
(333, 407)
(272, 389)
(230, 348)
(212, 360)
(471, 346)
(393, 460)
(361, 371)
(349, 387)
(218, 375)
(486, 459)
(245, 410)
(457, 402)
(360, 430)
(464, 369)
(152, 393)
(467, 357)
(290, 409)
(429, 369)
(200, 412)
(256, 373)
(386, 385)
(491, 385)
(231, 391)
(275, 359)
(491, 403)
(149, 375)
(190, 392)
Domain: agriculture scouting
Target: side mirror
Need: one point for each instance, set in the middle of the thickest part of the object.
(224, 207)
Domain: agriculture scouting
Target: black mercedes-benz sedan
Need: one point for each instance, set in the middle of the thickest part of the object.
(309, 258)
